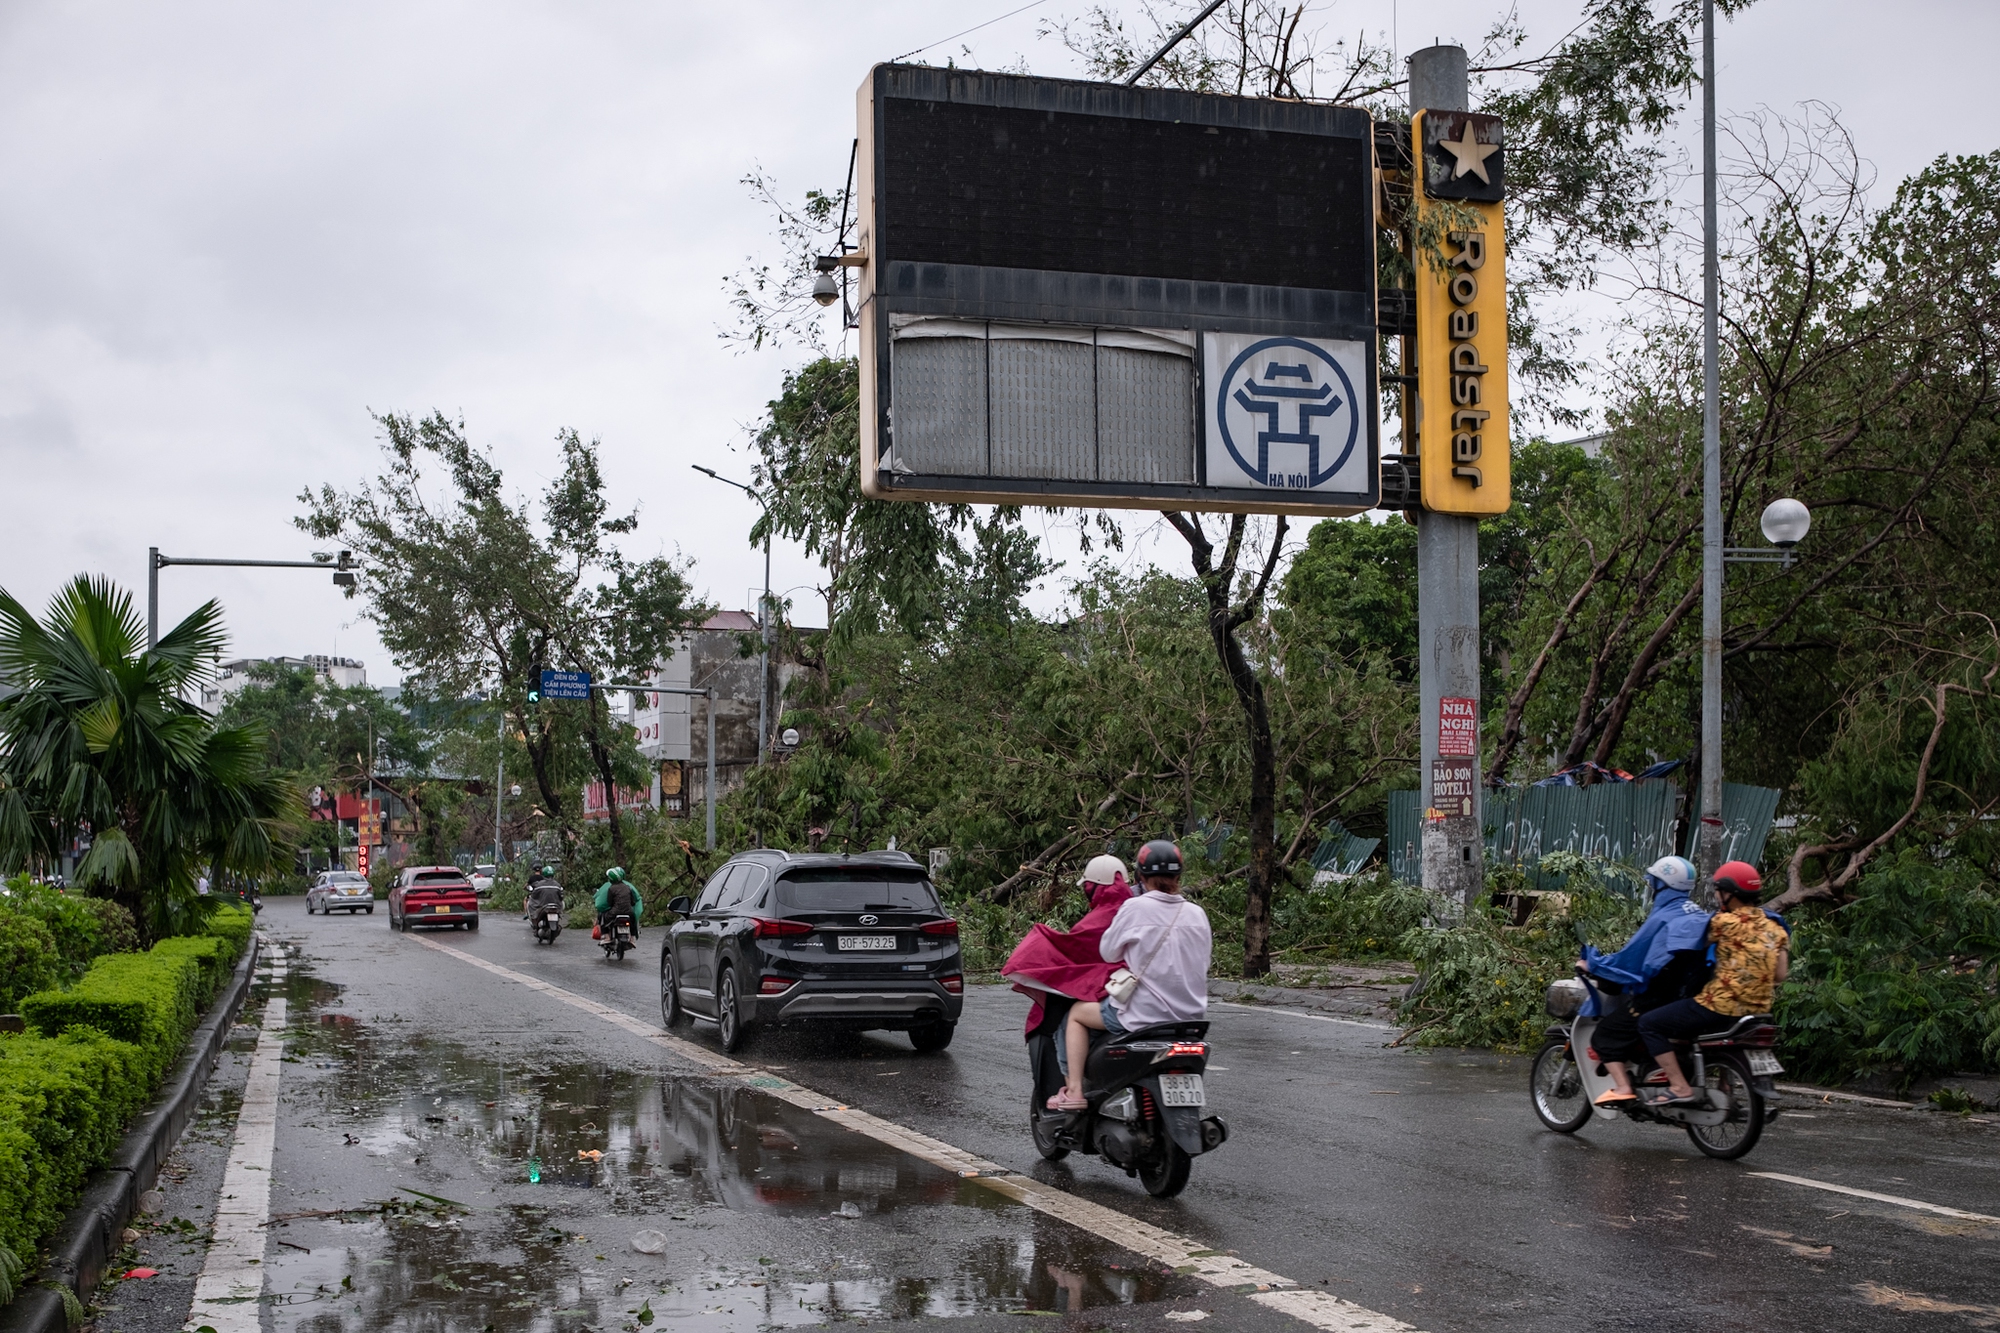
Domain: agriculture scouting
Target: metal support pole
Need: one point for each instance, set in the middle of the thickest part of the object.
(709, 694)
(499, 785)
(1453, 848)
(764, 659)
(152, 598)
(1708, 846)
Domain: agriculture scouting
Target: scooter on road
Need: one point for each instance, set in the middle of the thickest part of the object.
(615, 937)
(1145, 1094)
(1731, 1069)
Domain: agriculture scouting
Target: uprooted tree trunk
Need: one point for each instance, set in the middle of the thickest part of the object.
(1859, 850)
(1225, 617)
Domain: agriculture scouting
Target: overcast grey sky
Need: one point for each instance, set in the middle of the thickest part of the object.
(228, 231)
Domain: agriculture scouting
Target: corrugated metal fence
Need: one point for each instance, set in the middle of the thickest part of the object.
(1628, 822)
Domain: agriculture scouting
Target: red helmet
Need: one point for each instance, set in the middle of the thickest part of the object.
(1741, 879)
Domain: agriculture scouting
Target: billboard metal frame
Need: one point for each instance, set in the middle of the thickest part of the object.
(890, 285)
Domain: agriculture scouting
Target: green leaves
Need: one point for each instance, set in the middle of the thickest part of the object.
(101, 740)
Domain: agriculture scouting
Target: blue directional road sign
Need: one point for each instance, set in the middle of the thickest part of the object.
(565, 684)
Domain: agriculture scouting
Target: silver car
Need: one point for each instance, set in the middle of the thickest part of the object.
(340, 891)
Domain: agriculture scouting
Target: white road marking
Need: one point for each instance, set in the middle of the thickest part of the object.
(1317, 1308)
(1301, 1013)
(1898, 1200)
(1827, 1094)
(226, 1294)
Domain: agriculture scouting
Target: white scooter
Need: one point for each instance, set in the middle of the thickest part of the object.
(1731, 1069)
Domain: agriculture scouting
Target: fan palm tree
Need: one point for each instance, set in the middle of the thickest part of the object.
(100, 739)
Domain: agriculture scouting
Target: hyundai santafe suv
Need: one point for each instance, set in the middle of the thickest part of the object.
(783, 939)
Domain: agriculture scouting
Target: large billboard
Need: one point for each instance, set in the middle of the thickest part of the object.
(1090, 294)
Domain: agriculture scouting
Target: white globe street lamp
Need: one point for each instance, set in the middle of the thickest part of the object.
(1785, 523)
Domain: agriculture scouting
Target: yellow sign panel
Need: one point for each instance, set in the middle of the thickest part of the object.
(1461, 299)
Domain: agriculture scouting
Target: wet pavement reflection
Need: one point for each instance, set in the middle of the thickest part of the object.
(428, 1183)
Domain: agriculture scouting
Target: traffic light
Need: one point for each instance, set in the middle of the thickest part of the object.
(534, 696)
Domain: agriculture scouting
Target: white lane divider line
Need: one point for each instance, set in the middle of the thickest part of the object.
(1301, 1013)
(1896, 1199)
(1317, 1308)
(232, 1279)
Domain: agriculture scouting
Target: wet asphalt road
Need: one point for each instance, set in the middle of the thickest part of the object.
(1414, 1183)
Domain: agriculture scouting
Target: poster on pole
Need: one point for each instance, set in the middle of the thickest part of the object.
(1458, 727)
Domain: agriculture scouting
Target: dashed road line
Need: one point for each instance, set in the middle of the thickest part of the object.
(1895, 1199)
(1318, 1308)
(232, 1277)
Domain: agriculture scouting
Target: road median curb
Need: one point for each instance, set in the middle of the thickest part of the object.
(89, 1236)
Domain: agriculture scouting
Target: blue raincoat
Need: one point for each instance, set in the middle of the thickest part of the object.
(1675, 924)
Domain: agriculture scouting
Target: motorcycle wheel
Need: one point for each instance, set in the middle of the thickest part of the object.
(1044, 1126)
(729, 1025)
(1556, 1086)
(1738, 1134)
(1165, 1172)
(671, 1013)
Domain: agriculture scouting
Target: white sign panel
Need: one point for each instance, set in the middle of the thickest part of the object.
(1284, 413)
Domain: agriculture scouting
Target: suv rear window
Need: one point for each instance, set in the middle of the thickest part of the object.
(838, 889)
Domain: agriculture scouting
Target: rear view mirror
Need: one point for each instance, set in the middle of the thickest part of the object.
(681, 906)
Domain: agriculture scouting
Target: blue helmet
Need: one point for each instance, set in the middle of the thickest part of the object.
(1671, 872)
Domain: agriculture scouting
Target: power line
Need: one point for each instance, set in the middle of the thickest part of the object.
(974, 28)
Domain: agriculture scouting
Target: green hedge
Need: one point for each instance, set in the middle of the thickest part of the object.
(49, 936)
(64, 1103)
(147, 999)
(98, 1051)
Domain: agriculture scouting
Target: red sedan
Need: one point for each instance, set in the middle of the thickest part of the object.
(433, 896)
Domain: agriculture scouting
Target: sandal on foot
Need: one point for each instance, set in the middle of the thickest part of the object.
(1614, 1098)
(1693, 1099)
(1063, 1102)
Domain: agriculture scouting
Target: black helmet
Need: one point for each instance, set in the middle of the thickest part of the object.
(1159, 857)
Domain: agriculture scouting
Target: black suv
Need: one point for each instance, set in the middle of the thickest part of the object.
(779, 938)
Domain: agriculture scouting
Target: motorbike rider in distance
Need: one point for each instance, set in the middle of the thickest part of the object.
(1165, 941)
(1665, 960)
(617, 897)
(543, 891)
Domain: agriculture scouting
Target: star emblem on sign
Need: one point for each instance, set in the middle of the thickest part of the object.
(1469, 156)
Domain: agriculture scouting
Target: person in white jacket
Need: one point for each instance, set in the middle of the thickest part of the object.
(1165, 942)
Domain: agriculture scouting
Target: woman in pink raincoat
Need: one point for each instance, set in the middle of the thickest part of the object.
(1067, 962)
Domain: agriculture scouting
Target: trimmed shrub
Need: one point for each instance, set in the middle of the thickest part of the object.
(147, 999)
(28, 958)
(64, 1103)
(233, 923)
(80, 929)
(214, 955)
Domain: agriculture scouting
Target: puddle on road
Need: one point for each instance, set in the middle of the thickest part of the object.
(773, 1216)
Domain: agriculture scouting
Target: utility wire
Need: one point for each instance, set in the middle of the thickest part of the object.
(974, 28)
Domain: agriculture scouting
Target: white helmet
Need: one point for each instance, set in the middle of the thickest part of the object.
(1102, 870)
(1672, 872)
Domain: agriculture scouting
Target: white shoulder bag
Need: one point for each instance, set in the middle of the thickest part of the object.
(1124, 983)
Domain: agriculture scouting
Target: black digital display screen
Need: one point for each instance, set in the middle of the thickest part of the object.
(1031, 188)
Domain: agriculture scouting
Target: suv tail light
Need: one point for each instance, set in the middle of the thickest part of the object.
(953, 985)
(766, 927)
(775, 985)
(948, 929)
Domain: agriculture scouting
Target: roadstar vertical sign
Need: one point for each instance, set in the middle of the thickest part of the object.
(1461, 294)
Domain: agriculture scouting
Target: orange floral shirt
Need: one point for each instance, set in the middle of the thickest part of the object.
(1747, 945)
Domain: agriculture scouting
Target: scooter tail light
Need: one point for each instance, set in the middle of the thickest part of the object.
(775, 985)
(1188, 1048)
(767, 927)
(953, 985)
(947, 929)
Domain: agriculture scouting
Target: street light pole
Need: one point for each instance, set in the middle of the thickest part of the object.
(763, 618)
(341, 567)
(499, 784)
(1708, 846)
